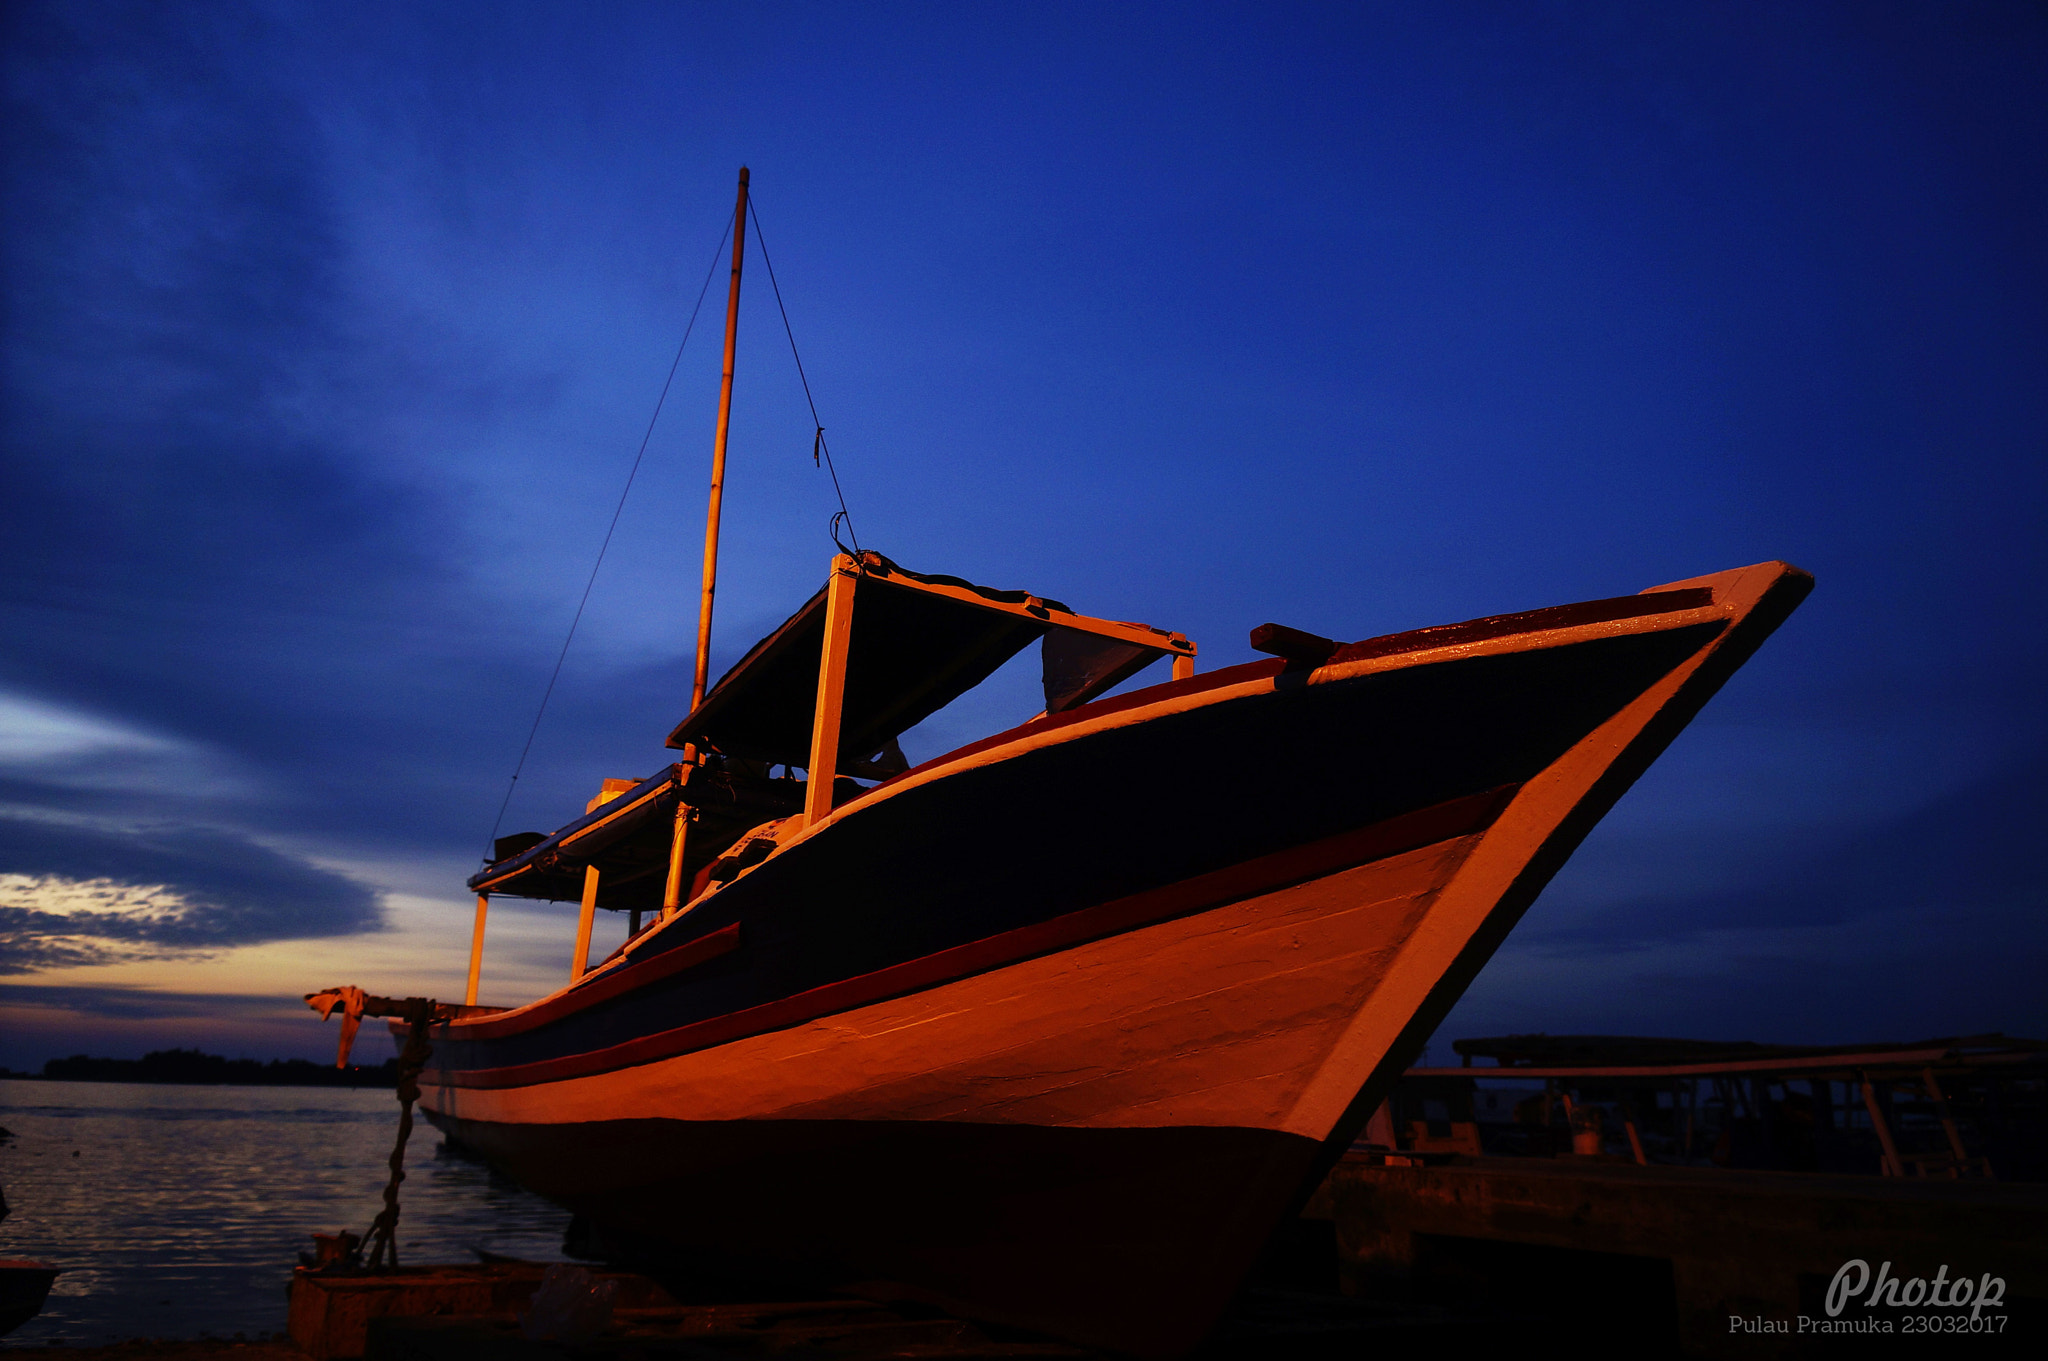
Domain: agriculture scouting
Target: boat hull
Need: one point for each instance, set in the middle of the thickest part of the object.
(953, 1046)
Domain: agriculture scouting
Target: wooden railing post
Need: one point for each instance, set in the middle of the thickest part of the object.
(1948, 1121)
(1894, 1165)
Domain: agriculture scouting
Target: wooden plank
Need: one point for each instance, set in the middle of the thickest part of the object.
(1948, 1123)
(1894, 1166)
(1803, 1064)
(1297, 647)
(329, 1316)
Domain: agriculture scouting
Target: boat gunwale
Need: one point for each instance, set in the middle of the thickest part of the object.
(1254, 678)
(1350, 659)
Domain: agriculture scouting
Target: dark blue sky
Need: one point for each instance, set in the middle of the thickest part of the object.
(331, 332)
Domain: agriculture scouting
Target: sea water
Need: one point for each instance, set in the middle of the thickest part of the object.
(179, 1211)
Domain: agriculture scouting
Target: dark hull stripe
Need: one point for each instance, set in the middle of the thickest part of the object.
(1427, 826)
(1648, 604)
(616, 983)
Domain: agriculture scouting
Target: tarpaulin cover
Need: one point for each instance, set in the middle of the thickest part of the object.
(912, 653)
(1079, 666)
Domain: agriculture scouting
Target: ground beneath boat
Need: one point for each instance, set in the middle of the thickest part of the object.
(1282, 1324)
(160, 1349)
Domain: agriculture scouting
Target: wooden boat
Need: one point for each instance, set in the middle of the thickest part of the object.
(1054, 1029)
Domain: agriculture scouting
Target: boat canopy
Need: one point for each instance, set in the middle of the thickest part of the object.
(873, 654)
(915, 643)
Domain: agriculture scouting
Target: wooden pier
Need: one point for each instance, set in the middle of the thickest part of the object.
(1672, 1259)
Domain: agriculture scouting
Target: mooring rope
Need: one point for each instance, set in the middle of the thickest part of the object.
(412, 1060)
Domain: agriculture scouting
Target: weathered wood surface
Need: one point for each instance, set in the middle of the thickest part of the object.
(329, 1314)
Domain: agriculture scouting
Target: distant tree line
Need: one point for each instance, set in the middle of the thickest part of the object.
(190, 1065)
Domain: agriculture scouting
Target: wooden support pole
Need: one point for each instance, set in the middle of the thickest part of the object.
(1894, 1166)
(476, 949)
(672, 895)
(1184, 669)
(679, 840)
(824, 767)
(583, 924)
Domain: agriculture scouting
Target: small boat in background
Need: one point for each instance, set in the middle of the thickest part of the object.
(1055, 1029)
(24, 1288)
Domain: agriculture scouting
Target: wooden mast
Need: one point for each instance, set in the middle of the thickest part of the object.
(673, 895)
(732, 337)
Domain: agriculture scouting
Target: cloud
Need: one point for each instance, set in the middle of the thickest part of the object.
(73, 894)
(233, 524)
(203, 531)
(114, 1002)
(55, 756)
(40, 1022)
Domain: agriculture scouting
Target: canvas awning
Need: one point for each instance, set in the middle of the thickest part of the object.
(917, 643)
(911, 644)
(627, 837)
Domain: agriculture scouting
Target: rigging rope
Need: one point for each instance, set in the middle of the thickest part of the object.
(818, 444)
(556, 674)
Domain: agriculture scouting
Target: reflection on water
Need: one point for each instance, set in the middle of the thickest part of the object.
(177, 1211)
